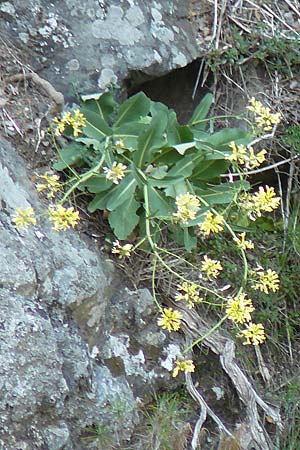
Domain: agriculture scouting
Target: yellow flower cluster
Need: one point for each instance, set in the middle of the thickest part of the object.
(254, 334)
(211, 224)
(51, 184)
(242, 243)
(246, 156)
(186, 366)
(24, 218)
(239, 309)
(211, 267)
(75, 119)
(264, 119)
(265, 281)
(187, 207)
(264, 200)
(170, 320)
(122, 250)
(189, 293)
(116, 173)
(62, 217)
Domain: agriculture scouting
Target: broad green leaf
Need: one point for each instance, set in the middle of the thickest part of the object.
(159, 206)
(159, 172)
(133, 108)
(167, 156)
(201, 112)
(96, 127)
(227, 135)
(183, 168)
(163, 183)
(182, 148)
(90, 142)
(157, 108)
(190, 241)
(102, 104)
(100, 200)
(124, 219)
(124, 191)
(71, 155)
(176, 189)
(208, 170)
(178, 134)
(129, 133)
(97, 184)
(152, 138)
(220, 194)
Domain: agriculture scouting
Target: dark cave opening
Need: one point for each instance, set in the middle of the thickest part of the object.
(175, 89)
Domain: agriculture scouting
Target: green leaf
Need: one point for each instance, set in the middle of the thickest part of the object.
(175, 189)
(182, 168)
(190, 242)
(152, 138)
(100, 200)
(159, 172)
(133, 108)
(124, 219)
(90, 142)
(208, 170)
(96, 127)
(71, 155)
(129, 133)
(102, 104)
(222, 193)
(182, 148)
(157, 108)
(227, 135)
(201, 112)
(124, 191)
(159, 206)
(97, 184)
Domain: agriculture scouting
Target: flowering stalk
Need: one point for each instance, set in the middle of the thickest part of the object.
(94, 170)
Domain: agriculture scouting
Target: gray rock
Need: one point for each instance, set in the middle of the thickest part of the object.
(94, 44)
(77, 348)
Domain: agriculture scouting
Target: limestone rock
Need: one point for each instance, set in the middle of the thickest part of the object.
(78, 349)
(95, 43)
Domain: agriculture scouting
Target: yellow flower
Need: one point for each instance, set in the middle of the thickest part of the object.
(246, 155)
(239, 153)
(211, 224)
(187, 207)
(62, 217)
(265, 281)
(52, 185)
(116, 173)
(183, 366)
(76, 122)
(242, 243)
(254, 334)
(264, 119)
(239, 309)
(253, 160)
(264, 200)
(189, 294)
(170, 320)
(211, 267)
(24, 218)
(122, 250)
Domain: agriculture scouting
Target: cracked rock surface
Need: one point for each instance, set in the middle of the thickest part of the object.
(77, 348)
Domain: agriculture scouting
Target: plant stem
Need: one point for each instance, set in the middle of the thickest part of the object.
(206, 335)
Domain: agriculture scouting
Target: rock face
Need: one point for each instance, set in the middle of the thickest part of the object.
(93, 44)
(77, 348)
